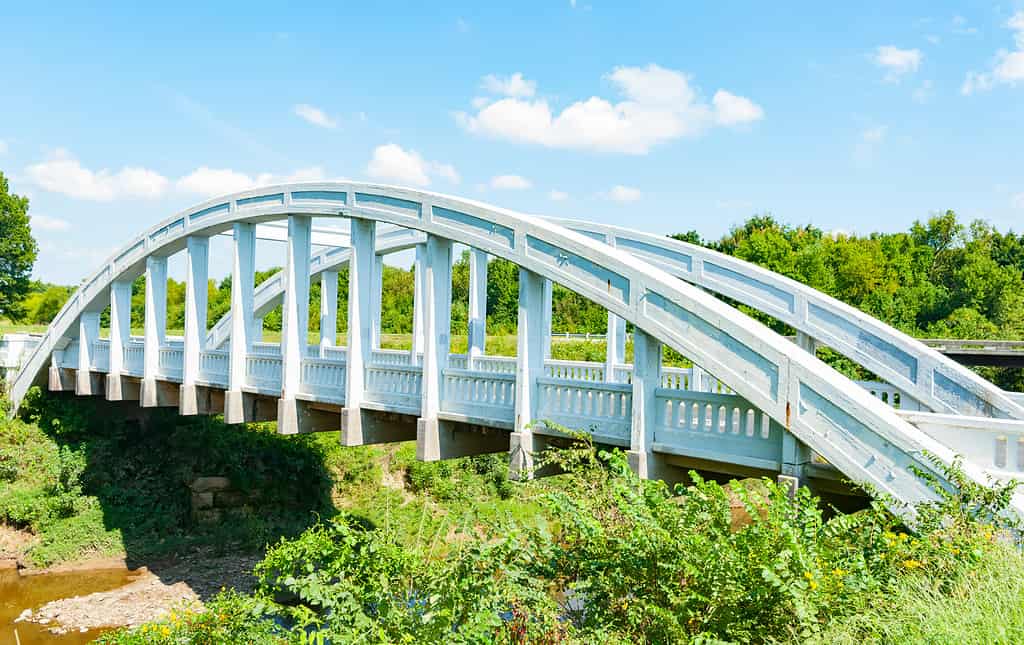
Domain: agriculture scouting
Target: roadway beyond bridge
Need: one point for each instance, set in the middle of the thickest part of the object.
(754, 402)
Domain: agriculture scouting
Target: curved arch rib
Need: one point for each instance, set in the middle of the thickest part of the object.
(859, 435)
(938, 382)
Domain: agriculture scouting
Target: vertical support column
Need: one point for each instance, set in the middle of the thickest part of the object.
(120, 335)
(697, 378)
(418, 302)
(795, 457)
(646, 378)
(360, 350)
(243, 276)
(806, 342)
(377, 285)
(197, 252)
(154, 394)
(615, 346)
(477, 345)
(438, 300)
(328, 308)
(529, 367)
(545, 329)
(88, 333)
(294, 320)
(257, 330)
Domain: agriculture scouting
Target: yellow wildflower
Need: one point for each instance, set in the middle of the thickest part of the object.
(837, 572)
(808, 575)
(912, 564)
(814, 585)
(166, 631)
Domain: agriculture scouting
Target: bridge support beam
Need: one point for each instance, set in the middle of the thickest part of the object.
(156, 393)
(118, 387)
(328, 308)
(477, 342)
(376, 288)
(418, 303)
(615, 346)
(545, 329)
(529, 367)
(358, 426)
(437, 319)
(795, 457)
(197, 261)
(239, 406)
(293, 415)
(646, 379)
(806, 342)
(88, 383)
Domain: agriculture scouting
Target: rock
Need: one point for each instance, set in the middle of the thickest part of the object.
(209, 484)
(202, 500)
(207, 516)
(228, 498)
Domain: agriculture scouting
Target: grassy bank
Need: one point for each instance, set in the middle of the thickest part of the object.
(369, 543)
(623, 561)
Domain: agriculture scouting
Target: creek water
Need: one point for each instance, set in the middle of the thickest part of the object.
(18, 593)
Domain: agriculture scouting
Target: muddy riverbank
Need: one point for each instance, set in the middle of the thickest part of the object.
(72, 604)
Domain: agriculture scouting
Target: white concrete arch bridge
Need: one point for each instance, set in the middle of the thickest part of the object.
(754, 402)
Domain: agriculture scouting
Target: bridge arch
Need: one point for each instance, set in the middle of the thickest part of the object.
(930, 378)
(863, 438)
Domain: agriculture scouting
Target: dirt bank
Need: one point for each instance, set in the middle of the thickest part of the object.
(153, 591)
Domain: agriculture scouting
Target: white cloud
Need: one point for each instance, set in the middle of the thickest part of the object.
(621, 193)
(659, 105)
(510, 182)
(1017, 201)
(933, 39)
(47, 223)
(62, 173)
(315, 115)
(214, 181)
(897, 62)
(515, 85)
(558, 196)
(1007, 67)
(392, 162)
(733, 110)
(3, 147)
(211, 182)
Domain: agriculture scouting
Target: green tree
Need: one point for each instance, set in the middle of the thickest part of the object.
(17, 252)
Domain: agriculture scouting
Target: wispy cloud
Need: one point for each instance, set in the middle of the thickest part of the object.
(620, 193)
(1008, 66)
(315, 115)
(558, 196)
(510, 182)
(897, 62)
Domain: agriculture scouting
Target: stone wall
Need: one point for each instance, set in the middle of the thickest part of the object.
(213, 498)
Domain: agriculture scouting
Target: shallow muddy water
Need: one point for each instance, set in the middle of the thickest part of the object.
(18, 593)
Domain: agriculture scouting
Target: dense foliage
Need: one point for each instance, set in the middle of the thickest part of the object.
(621, 561)
(17, 251)
(87, 481)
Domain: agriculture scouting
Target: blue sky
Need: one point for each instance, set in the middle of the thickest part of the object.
(664, 117)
